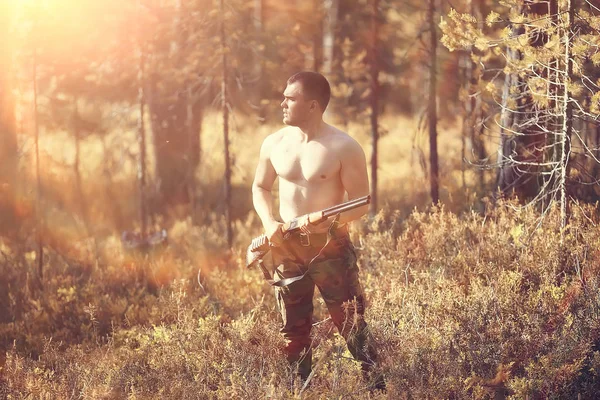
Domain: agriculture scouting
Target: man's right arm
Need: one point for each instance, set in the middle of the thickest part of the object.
(262, 196)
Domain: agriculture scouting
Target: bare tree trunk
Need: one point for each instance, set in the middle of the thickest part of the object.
(331, 9)
(463, 155)
(77, 169)
(478, 143)
(76, 163)
(167, 104)
(142, 144)
(78, 181)
(583, 126)
(506, 178)
(432, 108)
(8, 126)
(514, 137)
(118, 217)
(477, 117)
(524, 154)
(318, 36)
(39, 212)
(192, 173)
(503, 180)
(473, 105)
(259, 18)
(553, 124)
(567, 117)
(597, 128)
(467, 126)
(225, 110)
(374, 70)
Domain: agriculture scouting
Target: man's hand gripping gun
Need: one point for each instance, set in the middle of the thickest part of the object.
(260, 245)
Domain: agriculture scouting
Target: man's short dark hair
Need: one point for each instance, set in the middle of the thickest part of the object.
(314, 87)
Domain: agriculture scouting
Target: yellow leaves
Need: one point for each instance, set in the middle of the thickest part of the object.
(553, 43)
(463, 94)
(576, 89)
(517, 18)
(67, 294)
(596, 59)
(481, 43)
(538, 87)
(43, 373)
(490, 87)
(460, 32)
(492, 18)
(4, 248)
(579, 48)
(448, 43)
(506, 33)
(556, 292)
(594, 21)
(516, 232)
(468, 18)
(464, 17)
(595, 103)
(160, 334)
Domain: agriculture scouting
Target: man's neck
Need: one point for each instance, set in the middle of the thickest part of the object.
(313, 129)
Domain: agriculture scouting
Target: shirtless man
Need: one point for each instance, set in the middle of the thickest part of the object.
(317, 165)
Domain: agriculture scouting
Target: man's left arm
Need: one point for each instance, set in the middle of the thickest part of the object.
(354, 177)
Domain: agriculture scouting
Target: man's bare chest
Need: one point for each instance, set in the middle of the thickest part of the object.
(309, 162)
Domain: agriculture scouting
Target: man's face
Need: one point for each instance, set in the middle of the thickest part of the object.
(296, 108)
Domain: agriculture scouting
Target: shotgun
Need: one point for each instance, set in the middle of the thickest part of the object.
(260, 245)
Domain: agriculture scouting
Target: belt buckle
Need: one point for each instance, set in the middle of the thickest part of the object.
(304, 239)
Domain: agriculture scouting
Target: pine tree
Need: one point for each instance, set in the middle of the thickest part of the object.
(548, 91)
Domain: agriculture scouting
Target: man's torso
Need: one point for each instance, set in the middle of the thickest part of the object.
(309, 172)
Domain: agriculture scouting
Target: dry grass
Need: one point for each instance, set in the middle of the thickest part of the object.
(463, 305)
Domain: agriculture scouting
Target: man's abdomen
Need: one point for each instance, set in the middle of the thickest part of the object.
(299, 199)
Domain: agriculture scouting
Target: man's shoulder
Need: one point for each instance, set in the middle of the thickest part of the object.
(276, 136)
(343, 139)
(271, 140)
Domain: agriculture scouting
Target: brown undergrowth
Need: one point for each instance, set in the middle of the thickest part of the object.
(469, 306)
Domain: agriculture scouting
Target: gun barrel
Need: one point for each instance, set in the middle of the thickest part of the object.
(349, 205)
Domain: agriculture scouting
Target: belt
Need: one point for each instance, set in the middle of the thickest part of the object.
(316, 239)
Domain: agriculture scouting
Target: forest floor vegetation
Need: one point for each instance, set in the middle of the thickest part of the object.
(483, 303)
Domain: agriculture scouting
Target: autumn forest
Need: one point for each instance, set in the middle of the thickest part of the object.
(130, 133)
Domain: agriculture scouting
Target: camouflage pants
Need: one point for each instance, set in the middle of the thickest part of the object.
(335, 273)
